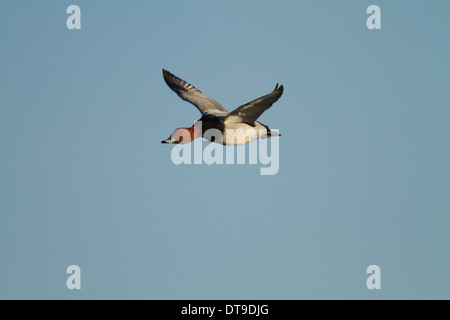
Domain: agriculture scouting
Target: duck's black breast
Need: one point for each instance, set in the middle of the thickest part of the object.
(211, 122)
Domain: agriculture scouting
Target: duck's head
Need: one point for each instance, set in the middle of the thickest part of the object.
(182, 136)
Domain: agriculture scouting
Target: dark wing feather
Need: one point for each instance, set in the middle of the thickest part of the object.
(251, 111)
(189, 93)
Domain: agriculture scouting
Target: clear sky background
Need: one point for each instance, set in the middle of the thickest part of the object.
(364, 155)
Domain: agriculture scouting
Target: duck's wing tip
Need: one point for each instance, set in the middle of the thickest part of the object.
(279, 87)
(251, 111)
(170, 78)
(188, 92)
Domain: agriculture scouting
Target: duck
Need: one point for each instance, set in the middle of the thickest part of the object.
(216, 122)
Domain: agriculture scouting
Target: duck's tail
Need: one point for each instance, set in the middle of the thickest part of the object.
(273, 134)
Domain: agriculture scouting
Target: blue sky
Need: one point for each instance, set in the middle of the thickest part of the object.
(364, 153)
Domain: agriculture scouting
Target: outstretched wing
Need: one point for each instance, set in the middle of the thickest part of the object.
(251, 111)
(189, 93)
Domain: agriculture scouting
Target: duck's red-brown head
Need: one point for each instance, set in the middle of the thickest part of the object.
(183, 135)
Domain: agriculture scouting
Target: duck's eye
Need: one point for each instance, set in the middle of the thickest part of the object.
(180, 138)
